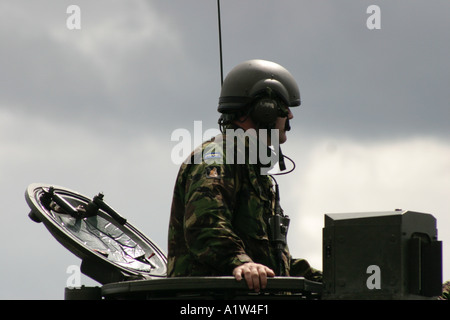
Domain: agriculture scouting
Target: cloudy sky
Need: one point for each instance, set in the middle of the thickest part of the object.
(93, 109)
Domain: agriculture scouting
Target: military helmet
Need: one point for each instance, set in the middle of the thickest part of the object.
(252, 78)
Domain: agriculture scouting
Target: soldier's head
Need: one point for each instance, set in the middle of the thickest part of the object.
(258, 94)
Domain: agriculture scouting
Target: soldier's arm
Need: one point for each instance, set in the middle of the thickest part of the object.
(208, 225)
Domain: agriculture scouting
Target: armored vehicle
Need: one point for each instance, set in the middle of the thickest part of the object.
(382, 255)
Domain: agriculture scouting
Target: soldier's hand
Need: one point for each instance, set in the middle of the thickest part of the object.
(255, 275)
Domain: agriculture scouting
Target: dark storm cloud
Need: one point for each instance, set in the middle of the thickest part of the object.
(158, 62)
(354, 81)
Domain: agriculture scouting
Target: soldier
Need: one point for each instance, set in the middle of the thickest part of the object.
(223, 200)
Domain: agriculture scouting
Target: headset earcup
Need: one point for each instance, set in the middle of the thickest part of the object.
(265, 111)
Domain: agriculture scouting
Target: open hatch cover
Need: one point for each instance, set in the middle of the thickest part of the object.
(110, 248)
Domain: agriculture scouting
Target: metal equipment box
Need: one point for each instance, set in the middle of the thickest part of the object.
(381, 255)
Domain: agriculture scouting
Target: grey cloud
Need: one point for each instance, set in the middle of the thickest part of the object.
(123, 65)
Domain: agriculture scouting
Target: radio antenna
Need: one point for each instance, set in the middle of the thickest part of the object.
(220, 43)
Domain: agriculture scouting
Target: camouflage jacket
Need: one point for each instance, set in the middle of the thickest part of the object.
(219, 217)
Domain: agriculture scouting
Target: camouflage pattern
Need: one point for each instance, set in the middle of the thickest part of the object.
(445, 291)
(219, 217)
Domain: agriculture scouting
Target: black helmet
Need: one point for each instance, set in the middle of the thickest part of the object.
(252, 78)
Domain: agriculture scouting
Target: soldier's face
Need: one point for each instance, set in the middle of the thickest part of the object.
(280, 124)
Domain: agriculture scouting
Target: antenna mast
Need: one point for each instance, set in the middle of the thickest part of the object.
(220, 43)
